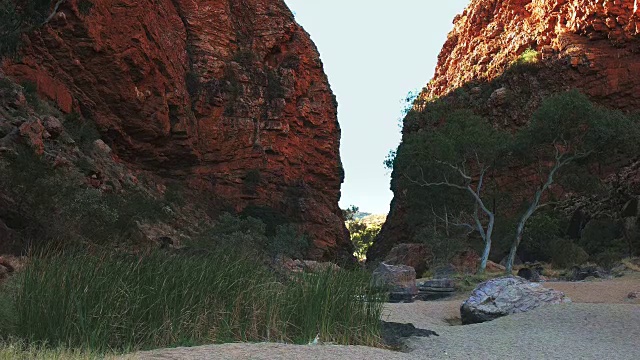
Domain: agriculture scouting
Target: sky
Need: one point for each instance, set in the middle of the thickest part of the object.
(374, 53)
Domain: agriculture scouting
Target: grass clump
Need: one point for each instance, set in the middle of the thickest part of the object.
(118, 302)
(13, 349)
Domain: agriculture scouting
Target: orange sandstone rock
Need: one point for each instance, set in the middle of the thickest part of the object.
(229, 96)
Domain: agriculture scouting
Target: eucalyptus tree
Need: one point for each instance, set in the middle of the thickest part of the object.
(568, 129)
(455, 158)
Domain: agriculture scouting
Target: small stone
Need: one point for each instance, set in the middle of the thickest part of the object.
(53, 126)
(101, 147)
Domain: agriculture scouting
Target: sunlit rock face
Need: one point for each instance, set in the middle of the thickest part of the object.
(596, 40)
(228, 95)
(591, 45)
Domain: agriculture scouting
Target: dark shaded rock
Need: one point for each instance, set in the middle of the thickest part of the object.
(531, 274)
(394, 334)
(466, 262)
(631, 208)
(415, 255)
(504, 296)
(399, 280)
(436, 289)
(577, 223)
(578, 273)
(444, 272)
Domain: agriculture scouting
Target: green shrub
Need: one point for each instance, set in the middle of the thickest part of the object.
(275, 89)
(15, 20)
(83, 132)
(602, 235)
(127, 302)
(289, 241)
(60, 208)
(362, 236)
(245, 58)
(541, 231)
(85, 6)
(251, 235)
(444, 248)
(253, 178)
(291, 61)
(565, 253)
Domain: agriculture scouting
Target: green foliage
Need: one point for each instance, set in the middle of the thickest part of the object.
(62, 210)
(565, 253)
(291, 61)
(437, 166)
(245, 58)
(253, 178)
(233, 90)
(275, 90)
(271, 217)
(603, 236)
(542, 231)
(571, 124)
(463, 138)
(85, 6)
(192, 82)
(17, 18)
(127, 302)
(527, 62)
(288, 241)
(362, 236)
(252, 236)
(350, 213)
(529, 56)
(175, 194)
(84, 132)
(444, 248)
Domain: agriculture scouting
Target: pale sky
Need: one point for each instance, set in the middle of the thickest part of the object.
(374, 53)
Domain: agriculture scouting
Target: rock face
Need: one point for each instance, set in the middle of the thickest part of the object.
(417, 256)
(562, 44)
(594, 39)
(505, 296)
(228, 96)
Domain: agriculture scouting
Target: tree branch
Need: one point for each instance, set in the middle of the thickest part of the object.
(53, 13)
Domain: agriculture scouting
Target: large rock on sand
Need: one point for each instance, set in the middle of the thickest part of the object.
(504, 296)
(400, 280)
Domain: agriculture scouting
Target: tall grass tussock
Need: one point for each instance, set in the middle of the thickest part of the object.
(121, 303)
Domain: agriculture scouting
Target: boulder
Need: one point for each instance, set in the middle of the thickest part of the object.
(436, 289)
(493, 267)
(417, 256)
(467, 262)
(5, 268)
(53, 125)
(504, 296)
(531, 273)
(444, 272)
(400, 280)
(580, 273)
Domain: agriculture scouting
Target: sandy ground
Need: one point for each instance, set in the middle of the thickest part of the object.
(601, 323)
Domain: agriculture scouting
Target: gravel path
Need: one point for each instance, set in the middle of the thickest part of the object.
(600, 324)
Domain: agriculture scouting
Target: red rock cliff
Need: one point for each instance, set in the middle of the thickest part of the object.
(229, 95)
(595, 39)
(591, 45)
